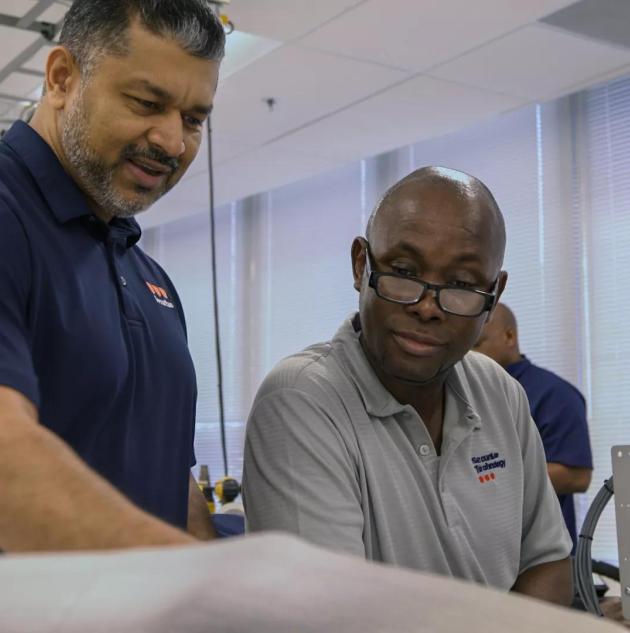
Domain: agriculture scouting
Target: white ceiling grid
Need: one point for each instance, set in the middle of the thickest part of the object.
(418, 35)
(353, 78)
(536, 62)
(20, 79)
(17, 8)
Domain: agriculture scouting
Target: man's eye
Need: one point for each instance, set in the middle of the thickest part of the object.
(404, 272)
(193, 121)
(149, 105)
(461, 284)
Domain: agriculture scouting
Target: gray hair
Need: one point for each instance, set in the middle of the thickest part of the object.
(95, 28)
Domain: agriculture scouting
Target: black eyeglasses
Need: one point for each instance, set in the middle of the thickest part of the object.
(466, 302)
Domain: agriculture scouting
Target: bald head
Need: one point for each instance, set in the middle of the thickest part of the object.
(477, 207)
(499, 337)
(503, 317)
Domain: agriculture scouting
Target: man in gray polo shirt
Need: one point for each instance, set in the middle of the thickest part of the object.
(392, 441)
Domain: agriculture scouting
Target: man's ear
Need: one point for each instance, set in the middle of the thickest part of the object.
(62, 72)
(357, 253)
(503, 277)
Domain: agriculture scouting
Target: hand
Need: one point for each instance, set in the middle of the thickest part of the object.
(611, 608)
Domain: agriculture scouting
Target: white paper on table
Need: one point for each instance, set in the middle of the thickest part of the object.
(270, 583)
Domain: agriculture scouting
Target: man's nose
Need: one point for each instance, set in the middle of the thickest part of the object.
(427, 308)
(168, 135)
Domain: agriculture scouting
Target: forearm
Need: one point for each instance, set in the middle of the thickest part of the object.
(199, 519)
(568, 480)
(52, 501)
(549, 581)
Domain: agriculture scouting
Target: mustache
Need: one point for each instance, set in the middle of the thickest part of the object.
(133, 151)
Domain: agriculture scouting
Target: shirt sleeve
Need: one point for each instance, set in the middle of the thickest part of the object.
(16, 362)
(561, 420)
(544, 537)
(298, 474)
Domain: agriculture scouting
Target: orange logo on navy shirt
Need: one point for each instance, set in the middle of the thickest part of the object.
(160, 295)
(486, 466)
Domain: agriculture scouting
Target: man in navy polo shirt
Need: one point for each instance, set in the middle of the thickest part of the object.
(557, 407)
(97, 386)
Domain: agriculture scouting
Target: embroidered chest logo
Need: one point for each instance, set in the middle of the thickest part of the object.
(486, 466)
(160, 295)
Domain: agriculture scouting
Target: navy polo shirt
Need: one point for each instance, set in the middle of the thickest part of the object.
(559, 411)
(92, 331)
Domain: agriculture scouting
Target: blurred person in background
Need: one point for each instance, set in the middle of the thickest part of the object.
(557, 407)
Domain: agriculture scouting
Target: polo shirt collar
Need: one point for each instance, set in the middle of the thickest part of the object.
(66, 201)
(460, 389)
(517, 369)
(378, 401)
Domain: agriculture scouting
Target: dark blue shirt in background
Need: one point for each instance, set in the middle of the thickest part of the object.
(559, 411)
(92, 331)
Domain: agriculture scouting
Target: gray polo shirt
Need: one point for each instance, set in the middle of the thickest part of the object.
(331, 455)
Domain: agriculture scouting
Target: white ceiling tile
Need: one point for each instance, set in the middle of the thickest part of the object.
(224, 148)
(282, 20)
(305, 84)
(418, 35)
(20, 85)
(420, 108)
(256, 171)
(535, 62)
(38, 61)
(54, 13)
(601, 79)
(263, 169)
(9, 111)
(13, 42)
(16, 8)
(242, 49)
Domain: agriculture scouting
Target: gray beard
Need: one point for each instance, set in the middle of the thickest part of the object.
(93, 176)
